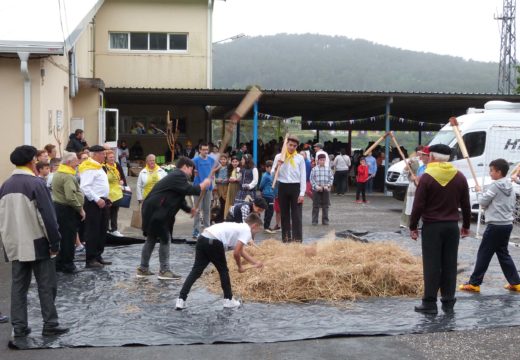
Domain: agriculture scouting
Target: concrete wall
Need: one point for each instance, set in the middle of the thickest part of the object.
(85, 53)
(149, 69)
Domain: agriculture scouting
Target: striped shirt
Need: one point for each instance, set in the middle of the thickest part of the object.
(321, 176)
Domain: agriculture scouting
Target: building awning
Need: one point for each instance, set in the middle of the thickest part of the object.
(408, 110)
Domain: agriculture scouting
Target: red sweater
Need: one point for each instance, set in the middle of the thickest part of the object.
(362, 174)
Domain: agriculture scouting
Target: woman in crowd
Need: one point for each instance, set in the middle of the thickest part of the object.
(222, 181)
(248, 181)
(233, 183)
(116, 180)
(148, 177)
(51, 150)
(123, 154)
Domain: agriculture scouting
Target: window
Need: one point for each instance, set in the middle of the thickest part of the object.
(178, 41)
(142, 41)
(475, 143)
(138, 41)
(158, 41)
(119, 40)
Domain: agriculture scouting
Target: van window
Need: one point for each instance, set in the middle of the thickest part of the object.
(475, 143)
(445, 137)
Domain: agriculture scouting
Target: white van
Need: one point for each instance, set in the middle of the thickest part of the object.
(489, 133)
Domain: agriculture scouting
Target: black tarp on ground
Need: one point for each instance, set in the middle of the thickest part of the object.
(111, 307)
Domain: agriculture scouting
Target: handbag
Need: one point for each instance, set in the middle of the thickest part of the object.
(137, 221)
(125, 200)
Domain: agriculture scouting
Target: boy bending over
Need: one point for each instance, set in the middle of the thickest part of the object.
(211, 247)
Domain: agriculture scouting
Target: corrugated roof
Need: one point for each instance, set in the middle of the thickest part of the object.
(319, 105)
(44, 26)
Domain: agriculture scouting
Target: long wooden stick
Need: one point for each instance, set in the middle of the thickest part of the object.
(455, 126)
(373, 146)
(242, 109)
(283, 154)
(402, 156)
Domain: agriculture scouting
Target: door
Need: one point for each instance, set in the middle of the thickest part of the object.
(109, 127)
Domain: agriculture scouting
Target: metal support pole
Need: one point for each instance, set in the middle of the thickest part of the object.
(420, 137)
(238, 136)
(389, 101)
(318, 135)
(349, 148)
(255, 133)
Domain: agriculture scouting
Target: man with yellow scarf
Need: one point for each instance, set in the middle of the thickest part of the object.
(94, 185)
(442, 190)
(68, 203)
(292, 179)
(148, 177)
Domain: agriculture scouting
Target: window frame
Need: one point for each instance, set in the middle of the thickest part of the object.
(148, 50)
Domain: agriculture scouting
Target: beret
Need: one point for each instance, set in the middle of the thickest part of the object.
(96, 148)
(22, 155)
(440, 149)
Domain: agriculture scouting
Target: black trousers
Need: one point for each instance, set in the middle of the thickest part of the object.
(360, 189)
(291, 212)
(114, 211)
(268, 212)
(68, 222)
(440, 245)
(208, 251)
(495, 240)
(341, 178)
(95, 230)
(45, 275)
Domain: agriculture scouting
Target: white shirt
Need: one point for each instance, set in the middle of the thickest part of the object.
(327, 159)
(341, 162)
(143, 178)
(291, 175)
(94, 184)
(229, 233)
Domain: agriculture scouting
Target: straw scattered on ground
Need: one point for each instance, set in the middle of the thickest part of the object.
(329, 270)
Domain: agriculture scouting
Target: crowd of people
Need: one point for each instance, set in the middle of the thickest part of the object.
(69, 204)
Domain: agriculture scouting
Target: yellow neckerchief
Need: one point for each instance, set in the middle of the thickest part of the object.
(151, 180)
(66, 169)
(114, 187)
(26, 169)
(290, 156)
(442, 172)
(89, 164)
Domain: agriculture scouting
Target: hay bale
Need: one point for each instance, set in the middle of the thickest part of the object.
(328, 270)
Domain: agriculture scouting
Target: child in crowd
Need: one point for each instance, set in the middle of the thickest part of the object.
(499, 202)
(43, 169)
(222, 181)
(361, 180)
(239, 212)
(266, 187)
(54, 164)
(211, 247)
(321, 182)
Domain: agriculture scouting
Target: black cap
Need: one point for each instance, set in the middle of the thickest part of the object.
(22, 155)
(261, 203)
(96, 148)
(440, 149)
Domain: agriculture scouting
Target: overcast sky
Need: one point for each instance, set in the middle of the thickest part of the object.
(464, 28)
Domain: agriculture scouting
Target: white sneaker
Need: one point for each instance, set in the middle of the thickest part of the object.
(231, 303)
(180, 304)
(117, 233)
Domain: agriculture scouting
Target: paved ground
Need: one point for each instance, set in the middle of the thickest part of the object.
(381, 214)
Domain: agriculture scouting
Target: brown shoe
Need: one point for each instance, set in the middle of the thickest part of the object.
(94, 264)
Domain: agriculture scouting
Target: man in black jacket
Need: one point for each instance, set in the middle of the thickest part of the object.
(76, 141)
(158, 212)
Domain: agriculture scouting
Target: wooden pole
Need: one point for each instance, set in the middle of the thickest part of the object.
(283, 154)
(374, 145)
(414, 178)
(455, 126)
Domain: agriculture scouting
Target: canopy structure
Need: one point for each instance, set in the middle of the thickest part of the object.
(349, 110)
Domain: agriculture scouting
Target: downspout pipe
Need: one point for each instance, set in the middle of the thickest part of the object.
(209, 67)
(24, 68)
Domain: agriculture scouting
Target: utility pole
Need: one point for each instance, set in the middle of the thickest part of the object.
(507, 66)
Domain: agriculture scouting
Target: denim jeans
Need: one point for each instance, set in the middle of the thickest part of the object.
(205, 208)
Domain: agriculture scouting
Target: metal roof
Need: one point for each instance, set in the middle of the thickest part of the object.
(318, 105)
(44, 26)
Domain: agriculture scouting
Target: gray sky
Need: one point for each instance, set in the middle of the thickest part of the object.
(464, 28)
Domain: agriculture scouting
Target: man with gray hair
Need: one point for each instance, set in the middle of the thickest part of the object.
(442, 190)
(68, 203)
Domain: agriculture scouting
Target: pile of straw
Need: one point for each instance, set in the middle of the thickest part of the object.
(328, 270)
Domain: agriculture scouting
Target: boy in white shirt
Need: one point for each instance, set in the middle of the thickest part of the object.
(211, 247)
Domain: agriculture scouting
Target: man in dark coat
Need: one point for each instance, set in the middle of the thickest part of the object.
(76, 141)
(158, 212)
(442, 190)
